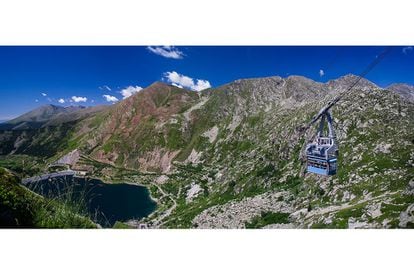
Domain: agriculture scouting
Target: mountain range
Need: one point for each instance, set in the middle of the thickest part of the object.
(232, 156)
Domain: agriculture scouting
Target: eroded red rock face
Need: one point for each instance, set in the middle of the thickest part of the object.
(133, 131)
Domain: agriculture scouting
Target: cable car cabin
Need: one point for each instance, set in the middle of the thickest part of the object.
(322, 154)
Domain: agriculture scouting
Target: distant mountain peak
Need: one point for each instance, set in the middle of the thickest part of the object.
(344, 82)
(401, 86)
(44, 114)
(404, 90)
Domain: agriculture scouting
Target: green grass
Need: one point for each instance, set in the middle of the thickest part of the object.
(184, 214)
(23, 165)
(248, 187)
(97, 120)
(121, 225)
(20, 207)
(267, 218)
(174, 138)
(340, 219)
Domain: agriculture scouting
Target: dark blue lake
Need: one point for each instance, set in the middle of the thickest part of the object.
(105, 203)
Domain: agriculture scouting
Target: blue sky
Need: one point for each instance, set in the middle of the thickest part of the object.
(86, 75)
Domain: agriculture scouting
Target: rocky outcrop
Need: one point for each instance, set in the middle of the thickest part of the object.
(70, 158)
(234, 148)
(236, 214)
(407, 217)
(404, 90)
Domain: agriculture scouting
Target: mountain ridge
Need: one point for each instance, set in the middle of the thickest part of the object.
(236, 149)
(401, 88)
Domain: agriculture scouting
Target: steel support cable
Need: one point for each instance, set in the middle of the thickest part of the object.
(371, 66)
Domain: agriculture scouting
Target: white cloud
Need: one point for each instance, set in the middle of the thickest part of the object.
(407, 50)
(130, 90)
(201, 85)
(36, 100)
(176, 85)
(105, 87)
(61, 101)
(181, 81)
(321, 73)
(167, 51)
(110, 98)
(79, 99)
(43, 94)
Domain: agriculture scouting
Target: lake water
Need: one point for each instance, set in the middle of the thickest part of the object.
(105, 203)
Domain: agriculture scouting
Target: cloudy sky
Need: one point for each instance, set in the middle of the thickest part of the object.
(34, 76)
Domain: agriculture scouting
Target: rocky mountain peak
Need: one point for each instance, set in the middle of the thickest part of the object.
(39, 114)
(346, 81)
(233, 156)
(404, 90)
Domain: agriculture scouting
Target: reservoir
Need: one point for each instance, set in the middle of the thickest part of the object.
(104, 203)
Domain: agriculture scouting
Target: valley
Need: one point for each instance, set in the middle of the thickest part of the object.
(232, 156)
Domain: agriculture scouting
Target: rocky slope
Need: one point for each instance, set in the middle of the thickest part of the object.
(230, 157)
(405, 90)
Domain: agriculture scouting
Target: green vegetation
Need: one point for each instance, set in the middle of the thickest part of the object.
(23, 165)
(342, 216)
(121, 225)
(97, 120)
(174, 138)
(258, 150)
(185, 214)
(19, 207)
(267, 218)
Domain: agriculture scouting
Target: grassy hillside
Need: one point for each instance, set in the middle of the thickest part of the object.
(19, 207)
(254, 163)
(232, 157)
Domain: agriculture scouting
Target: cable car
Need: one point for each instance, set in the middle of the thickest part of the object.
(322, 153)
